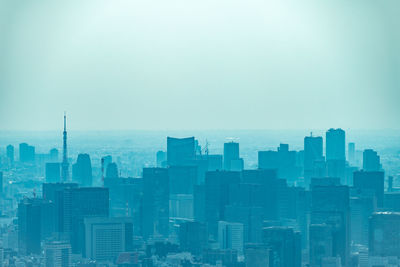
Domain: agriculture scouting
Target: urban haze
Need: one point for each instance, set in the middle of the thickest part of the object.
(199, 133)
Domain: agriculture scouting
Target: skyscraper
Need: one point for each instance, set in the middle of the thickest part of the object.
(53, 173)
(82, 170)
(335, 144)
(29, 226)
(284, 245)
(230, 236)
(65, 164)
(330, 206)
(180, 151)
(26, 153)
(371, 160)
(232, 160)
(370, 183)
(155, 202)
(313, 152)
(10, 153)
(384, 232)
(351, 153)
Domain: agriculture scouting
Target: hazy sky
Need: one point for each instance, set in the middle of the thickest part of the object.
(205, 64)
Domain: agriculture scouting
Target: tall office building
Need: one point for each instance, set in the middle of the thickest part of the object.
(54, 155)
(29, 226)
(75, 204)
(230, 236)
(370, 183)
(330, 206)
(313, 152)
(182, 179)
(384, 234)
(82, 170)
(351, 153)
(57, 254)
(285, 246)
(335, 144)
(112, 170)
(161, 159)
(26, 153)
(193, 237)
(53, 172)
(283, 160)
(231, 156)
(155, 202)
(105, 238)
(180, 151)
(10, 154)
(371, 160)
(65, 163)
(217, 191)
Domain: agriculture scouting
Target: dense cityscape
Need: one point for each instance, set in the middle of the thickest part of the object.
(327, 204)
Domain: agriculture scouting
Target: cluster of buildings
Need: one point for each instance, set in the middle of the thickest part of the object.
(316, 207)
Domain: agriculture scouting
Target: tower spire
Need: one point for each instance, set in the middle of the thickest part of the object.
(65, 164)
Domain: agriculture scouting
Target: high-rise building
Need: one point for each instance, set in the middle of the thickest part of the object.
(54, 155)
(29, 226)
(105, 238)
(193, 237)
(155, 202)
(313, 152)
(283, 160)
(370, 182)
(230, 236)
(371, 160)
(285, 246)
(384, 234)
(231, 155)
(351, 153)
(112, 170)
(217, 187)
(321, 243)
(330, 206)
(182, 179)
(75, 204)
(26, 153)
(65, 163)
(53, 172)
(57, 254)
(180, 151)
(335, 144)
(161, 159)
(10, 154)
(82, 170)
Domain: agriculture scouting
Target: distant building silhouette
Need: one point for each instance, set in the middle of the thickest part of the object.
(112, 170)
(10, 154)
(53, 172)
(335, 144)
(313, 152)
(26, 153)
(371, 160)
(155, 202)
(370, 183)
(180, 151)
(232, 160)
(82, 170)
